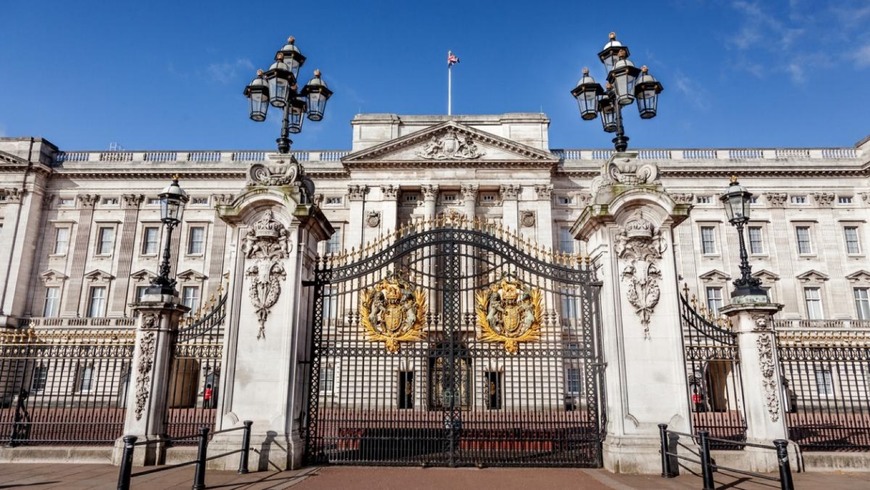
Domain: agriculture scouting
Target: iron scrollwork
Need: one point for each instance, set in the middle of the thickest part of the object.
(391, 312)
(509, 312)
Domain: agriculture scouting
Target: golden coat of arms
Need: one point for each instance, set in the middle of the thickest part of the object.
(391, 312)
(509, 312)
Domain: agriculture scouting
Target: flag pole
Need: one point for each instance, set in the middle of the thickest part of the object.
(449, 88)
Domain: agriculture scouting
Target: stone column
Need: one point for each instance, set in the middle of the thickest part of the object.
(430, 197)
(130, 203)
(469, 201)
(79, 254)
(157, 319)
(510, 217)
(275, 233)
(760, 379)
(544, 215)
(390, 207)
(628, 228)
(353, 232)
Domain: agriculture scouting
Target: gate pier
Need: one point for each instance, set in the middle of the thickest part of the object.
(628, 229)
(275, 229)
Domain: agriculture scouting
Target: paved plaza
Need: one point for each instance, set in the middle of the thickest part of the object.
(75, 477)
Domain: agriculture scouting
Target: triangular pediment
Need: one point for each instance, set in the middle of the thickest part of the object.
(52, 275)
(98, 275)
(714, 275)
(450, 143)
(812, 275)
(142, 275)
(765, 275)
(191, 275)
(859, 276)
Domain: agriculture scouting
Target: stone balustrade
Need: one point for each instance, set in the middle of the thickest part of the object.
(564, 154)
(780, 324)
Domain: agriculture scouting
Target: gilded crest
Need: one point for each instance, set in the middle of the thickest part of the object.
(391, 312)
(509, 312)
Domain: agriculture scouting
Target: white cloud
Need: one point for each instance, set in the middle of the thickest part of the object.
(861, 56)
(227, 72)
(692, 91)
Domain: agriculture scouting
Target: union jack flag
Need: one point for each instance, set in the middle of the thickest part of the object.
(452, 59)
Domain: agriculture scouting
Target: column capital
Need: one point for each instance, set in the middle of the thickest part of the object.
(469, 192)
(87, 201)
(132, 201)
(357, 192)
(544, 191)
(510, 191)
(390, 191)
(430, 192)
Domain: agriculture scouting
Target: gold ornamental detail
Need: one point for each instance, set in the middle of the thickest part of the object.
(391, 312)
(509, 312)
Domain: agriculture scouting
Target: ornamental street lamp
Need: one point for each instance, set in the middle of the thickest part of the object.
(172, 201)
(625, 85)
(277, 87)
(736, 200)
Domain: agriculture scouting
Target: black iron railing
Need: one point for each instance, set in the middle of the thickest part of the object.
(125, 472)
(670, 441)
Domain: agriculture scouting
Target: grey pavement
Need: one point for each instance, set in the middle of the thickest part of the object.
(82, 476)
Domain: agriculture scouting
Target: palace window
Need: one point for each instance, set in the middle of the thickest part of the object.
(566, 241)
(61, 240)
(564, 200)
(853, 246)
(756, 245)
(333, 245)
(199, 201)
(196, 240)
(804, 245)
(572, 380)
(140, 293)
(494, 390)
(52, 302)
(327, 378)
(451, 197)
(488, 197)
(703, 199)
(406, 390)
(862, 303)
(824, 382)
(813, 298)
(40, 378)
(66, 202)
(714, 300)
(150, 240)
(334, 200)
(97, 302)
(110, 201)
(708, 240)
(106, 240)
(85, 379)
(190, 298)
(844, 199)
(798, 199)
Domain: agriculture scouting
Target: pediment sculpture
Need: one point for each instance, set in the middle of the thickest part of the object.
(450, 146)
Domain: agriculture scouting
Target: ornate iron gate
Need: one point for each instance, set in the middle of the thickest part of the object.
(712, 366)
(453, 343)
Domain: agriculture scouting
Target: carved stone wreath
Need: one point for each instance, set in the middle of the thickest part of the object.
(391, 312)
(509, 312)
(143, 376)
(768, 374)
(640, 245)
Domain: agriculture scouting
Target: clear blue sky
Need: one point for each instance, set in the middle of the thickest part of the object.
(170, 75)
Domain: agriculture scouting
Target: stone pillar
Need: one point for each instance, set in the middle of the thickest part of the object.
(761, 381)
(81, 246)
(543, 209)
(353, 232)
(390, 207)
(130, 203)
(275, 233)
(469, 201)
(430, 197)
(510, 214)
(628, 229)
(157, 319)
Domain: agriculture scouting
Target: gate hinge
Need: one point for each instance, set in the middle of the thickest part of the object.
(307, 283)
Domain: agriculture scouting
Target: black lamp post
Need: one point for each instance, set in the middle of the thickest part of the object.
(172, 201)
(277, 87)
(737, 200)
(625, 84)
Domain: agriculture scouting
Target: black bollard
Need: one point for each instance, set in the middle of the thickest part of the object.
(201, 454)
(246, 447)
(667, 472)
(126, 471)
(706, 465)
(785, 481)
